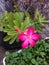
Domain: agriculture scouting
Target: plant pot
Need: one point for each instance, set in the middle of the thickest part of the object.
(6, 45)
(30, 54)
(5, 57)
(15, 45)
(47, 39)
(1, 37)
(4, 61)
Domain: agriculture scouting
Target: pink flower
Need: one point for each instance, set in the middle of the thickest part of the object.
(29, 38)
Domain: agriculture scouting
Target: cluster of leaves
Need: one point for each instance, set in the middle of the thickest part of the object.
(19, 20)
(38, 19)
(12, 21)
(39, 55)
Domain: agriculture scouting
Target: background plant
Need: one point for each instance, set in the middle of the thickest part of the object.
(39, 55)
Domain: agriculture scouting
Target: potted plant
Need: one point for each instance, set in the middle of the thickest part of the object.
(14, 23)
(47, 39)
(37, 55)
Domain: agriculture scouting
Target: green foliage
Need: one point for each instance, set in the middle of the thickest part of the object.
(38, 20)
(11, 21)
(39, 55)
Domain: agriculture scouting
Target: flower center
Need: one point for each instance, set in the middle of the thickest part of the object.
(28, 37)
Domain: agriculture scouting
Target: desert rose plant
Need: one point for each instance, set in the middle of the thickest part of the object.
(20, 26)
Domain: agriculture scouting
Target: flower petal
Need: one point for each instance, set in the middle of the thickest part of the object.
(25, 44)
(30, 30)
(22, 37)
(36, 37)
(31, 43)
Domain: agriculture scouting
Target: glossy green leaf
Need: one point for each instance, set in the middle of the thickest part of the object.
(7, 38)
(13, 39)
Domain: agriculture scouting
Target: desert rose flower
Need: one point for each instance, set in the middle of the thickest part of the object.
(29, 37)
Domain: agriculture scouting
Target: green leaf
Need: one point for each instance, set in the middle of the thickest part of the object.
(41, 18)
(7, 38)
(26, 23)
(1, 28)
(13, 39)
(18, 18)
(11, 32)
(3, 23)
(9, 16)
(17, 25)
(27, 14)
(33, 61)
(6, 29)
(42, 54)
(11, 26)
(46, 21)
